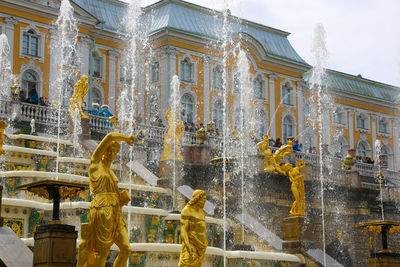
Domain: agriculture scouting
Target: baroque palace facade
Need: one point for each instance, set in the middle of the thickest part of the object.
(184, 43)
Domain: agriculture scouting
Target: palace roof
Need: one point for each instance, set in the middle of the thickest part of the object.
(357, 85)
(194, 20)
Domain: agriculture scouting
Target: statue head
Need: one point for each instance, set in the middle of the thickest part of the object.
(112, 151)
(3, 124)
(199, 198)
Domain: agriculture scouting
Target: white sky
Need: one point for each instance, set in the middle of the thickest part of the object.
(363, 36)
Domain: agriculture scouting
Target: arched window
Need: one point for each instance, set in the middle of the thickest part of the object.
(287, 92)
(96, 97)
(258, 87)
(287, 128)
(363, 149)
(340, 147)
(260, 122)
(338, 116)
(187, 108)
(386, 157)
(29, 82)
(30, 43)
(217, 81)
(218, 115)
(186, 71)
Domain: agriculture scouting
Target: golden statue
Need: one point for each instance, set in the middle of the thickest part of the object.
(76, 101)
(107, 225)
(298, 190)
(173, 120)
(3, 126)
(193, 231)
(269, 161)
(279, 155)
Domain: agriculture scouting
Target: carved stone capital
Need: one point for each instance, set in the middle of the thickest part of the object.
(85, 40)
(272, 77)
(172, 52)
(302, 85)
(113, 53)
(11, 22)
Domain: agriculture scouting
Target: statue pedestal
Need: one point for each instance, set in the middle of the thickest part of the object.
(200, 154)
(293, 234)
(55, 245)
(383, 259)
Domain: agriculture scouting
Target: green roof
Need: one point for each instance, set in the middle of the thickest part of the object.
(357, 85)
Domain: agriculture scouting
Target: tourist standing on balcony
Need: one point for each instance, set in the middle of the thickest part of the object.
(278, 142)
(104, 112)
(95, 109)
(33, 97)
(22, 97)
(296, 146)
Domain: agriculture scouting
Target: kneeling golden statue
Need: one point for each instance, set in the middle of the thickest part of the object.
(107, 225)
(193, 231)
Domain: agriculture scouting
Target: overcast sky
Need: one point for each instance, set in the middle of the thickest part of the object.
(363, 36)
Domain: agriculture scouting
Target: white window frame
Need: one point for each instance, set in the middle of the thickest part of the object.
(192, 67)
(41, 41)
(102, 57)
(344, 148)
(97, 86)
(343, 114)
(152, 68)
(292, 94)
(30, 66)
(184, 117)
(366, 122)
(368, 150)
(266, 124)
(193, 95)
(213, 80)
(215, 100)
(389, 156)
(388, 127)
(259, 77)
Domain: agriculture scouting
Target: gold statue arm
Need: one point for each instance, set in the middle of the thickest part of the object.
(111, 137)
(167, 113)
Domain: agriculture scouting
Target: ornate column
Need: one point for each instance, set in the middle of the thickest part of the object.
(112, 53)
(272, 77)
(351, 128)
(374, 118)
(10, 23)
(85, 43)
(168, 67)
(206, 97)
(301, 88)
(396, 126)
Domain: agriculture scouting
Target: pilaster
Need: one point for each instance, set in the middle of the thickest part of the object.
(85, 43)
(206, 98)
(374, 119)
(396, 126)
(112, 54)
(272, 77)
(351, 128)
(168, 64)
(10, 23)
(301, 87)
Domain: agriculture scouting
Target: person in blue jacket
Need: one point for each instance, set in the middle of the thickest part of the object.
(33, 97)
(95, 109)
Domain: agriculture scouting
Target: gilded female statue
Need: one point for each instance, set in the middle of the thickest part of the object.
(76, 101)
(107, 225)
(269, 161)
(176, 127)
(193, 231)
(298, 190)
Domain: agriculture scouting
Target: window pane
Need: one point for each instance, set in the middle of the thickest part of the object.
(34, 46)
(96, 67)
(25, 44)
(188, 72)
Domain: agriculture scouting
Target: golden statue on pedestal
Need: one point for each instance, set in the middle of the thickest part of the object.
(107, 225)
(76, 101)
(272, 162)
(298, 190)
(193, 231)
(175, 126)
(3, 126)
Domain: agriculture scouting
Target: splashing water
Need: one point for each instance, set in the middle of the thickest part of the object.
(174, 103)
(63, 51)
(318, 85)
(134, 33)
(6, 75)
(76, 131)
